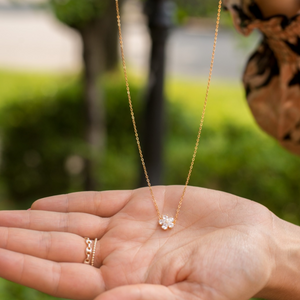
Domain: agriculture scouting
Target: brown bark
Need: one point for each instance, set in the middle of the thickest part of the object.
(95, 132)
(159, 20)
(100, 53)
(110, 38)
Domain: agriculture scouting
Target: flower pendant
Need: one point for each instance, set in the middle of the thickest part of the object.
(166, 222)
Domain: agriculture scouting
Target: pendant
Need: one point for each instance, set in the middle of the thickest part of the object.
(166, 222)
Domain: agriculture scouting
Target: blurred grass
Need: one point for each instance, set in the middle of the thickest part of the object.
(234, 154)
(226, 101)
(18, 85)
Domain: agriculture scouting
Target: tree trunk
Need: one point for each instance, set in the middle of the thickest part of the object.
(160, 22)
(95, 133)
(111, 40)
(100, 53)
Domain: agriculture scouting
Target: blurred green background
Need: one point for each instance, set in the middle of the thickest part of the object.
(43, 151)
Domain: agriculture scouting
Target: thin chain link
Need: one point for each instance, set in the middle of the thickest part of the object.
(203, 111)
(202, 116)
(132, 112)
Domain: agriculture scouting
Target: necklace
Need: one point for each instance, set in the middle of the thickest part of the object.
(165, 221)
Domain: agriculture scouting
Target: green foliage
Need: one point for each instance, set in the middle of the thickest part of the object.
(196, 8)
(38, 136)
(43, 142)
(42, 130)
(76, 13)
(9, 290)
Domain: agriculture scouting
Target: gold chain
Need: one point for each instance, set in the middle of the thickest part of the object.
(160, 217)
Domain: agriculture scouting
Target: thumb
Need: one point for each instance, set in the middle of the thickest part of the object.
(138, 292)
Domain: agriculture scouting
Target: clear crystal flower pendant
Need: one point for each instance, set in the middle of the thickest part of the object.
(166, 222)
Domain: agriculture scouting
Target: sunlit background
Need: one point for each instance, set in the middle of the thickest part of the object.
(50, 144)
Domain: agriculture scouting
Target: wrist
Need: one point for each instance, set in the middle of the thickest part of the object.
(283, 283)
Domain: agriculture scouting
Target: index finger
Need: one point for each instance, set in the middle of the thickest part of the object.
(103, 204)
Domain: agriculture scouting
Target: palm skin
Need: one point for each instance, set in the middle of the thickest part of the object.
(218, 250)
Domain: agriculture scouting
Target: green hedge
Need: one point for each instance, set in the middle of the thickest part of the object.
(38, 134)
(43, 147)
(42, 131)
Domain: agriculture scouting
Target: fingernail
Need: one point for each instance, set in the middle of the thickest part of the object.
(29, 209)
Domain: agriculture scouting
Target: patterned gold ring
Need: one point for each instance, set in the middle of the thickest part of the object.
(88, 251)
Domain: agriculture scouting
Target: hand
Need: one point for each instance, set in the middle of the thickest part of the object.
(221, 247)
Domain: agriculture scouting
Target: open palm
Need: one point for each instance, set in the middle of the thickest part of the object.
(219, 248)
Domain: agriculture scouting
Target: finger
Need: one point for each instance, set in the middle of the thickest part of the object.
(65, 280)
(139, 292)
(77, 223)
(104, 204)
(55, 246)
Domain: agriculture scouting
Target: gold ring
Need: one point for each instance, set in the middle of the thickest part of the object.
(88, 251)
(94, 251)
